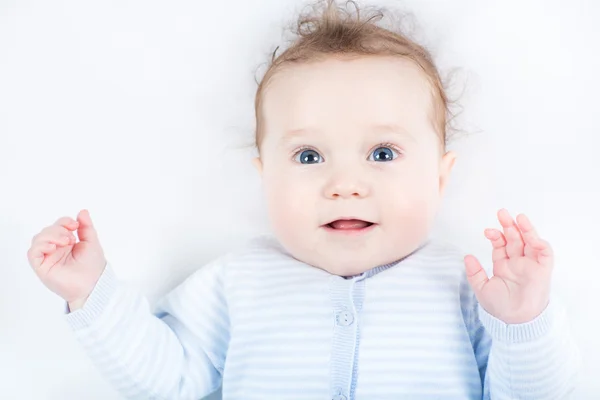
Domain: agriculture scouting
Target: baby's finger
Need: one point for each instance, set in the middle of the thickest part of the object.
(498, 244)
(476, 275)
(36, 254)
(545, 254)
(514, 241)
(67, 222)
(52, 232)
(59, 239)
(63, 240)
(530, 235)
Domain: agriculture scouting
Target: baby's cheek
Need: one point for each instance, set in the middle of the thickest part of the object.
(290, 209)
(409, 217)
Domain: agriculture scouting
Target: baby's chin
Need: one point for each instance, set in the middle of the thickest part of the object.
(344, 255)
(347, 262)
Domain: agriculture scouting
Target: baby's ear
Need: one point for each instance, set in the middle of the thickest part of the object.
(257, 164)
(445, 168)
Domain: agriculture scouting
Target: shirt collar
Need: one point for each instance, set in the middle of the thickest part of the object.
(373, 271)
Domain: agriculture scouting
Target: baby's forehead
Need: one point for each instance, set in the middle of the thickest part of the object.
(360, 77)
(369, 94)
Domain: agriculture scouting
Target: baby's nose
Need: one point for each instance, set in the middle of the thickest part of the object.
(347, 188)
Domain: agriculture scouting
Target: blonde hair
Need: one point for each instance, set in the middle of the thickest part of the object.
(335, 32)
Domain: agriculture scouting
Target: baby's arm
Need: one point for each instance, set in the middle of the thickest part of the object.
(534, 360)
(176, 352)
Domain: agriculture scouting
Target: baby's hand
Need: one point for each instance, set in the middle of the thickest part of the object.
(522, 267)
(67, 267)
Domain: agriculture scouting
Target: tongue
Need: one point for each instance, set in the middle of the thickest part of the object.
(349, 224)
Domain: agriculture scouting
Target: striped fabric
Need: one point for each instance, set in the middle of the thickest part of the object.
(267, 326)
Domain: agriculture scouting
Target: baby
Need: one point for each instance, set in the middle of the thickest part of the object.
(350, 298)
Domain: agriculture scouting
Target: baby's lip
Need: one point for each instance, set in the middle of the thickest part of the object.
(349, 227)
(349, 219)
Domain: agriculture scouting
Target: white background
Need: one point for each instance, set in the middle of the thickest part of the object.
(137, 111)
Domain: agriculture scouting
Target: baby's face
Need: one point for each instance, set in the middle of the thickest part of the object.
(352, 167)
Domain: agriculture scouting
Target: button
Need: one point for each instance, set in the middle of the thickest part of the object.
(338, 397)
(345, 318)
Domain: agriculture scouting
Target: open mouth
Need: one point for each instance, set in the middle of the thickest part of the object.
(349, 225)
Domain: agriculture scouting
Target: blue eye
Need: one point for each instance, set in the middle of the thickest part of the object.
(383, 154)
(309, 157)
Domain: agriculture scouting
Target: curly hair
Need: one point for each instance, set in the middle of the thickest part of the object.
(330, 30)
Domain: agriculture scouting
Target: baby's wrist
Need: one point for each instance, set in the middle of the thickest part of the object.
(516, 333)
(77, 304)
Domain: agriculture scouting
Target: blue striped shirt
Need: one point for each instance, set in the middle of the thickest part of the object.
(265, 325)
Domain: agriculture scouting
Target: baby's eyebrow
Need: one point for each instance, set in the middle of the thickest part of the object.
(291, 134)
(393, 128)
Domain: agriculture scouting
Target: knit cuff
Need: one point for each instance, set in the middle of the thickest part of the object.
(516, 333)
(97, 301)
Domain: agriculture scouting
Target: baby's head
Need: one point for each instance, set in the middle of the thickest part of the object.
(351, 125)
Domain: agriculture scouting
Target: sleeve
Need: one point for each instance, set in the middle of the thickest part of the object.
(176, 351)
(534, 360)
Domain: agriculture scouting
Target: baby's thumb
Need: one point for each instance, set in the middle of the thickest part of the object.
(86, 230)
(476, 275)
